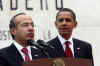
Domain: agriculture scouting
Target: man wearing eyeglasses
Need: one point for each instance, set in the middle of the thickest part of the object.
(65, 45)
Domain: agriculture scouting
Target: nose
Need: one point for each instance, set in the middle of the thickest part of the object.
(64, 22)
(31, 28)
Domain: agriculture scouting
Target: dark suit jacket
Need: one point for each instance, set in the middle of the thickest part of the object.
(10, 56)
(81, 49)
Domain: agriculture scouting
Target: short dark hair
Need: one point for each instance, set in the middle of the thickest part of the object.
(68, 10)
(13, 22)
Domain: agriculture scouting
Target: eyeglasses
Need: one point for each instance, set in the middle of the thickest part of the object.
(66, 19)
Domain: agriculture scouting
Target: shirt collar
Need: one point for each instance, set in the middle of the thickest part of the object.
(19, 47)
(62, 40)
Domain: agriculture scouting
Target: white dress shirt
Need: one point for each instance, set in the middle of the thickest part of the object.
(19, 48)
(62, 40)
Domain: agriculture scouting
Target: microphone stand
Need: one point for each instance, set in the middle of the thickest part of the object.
(45, 52)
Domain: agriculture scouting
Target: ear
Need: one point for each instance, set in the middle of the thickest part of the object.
(75, 24)
(55, 23)
(13, 31)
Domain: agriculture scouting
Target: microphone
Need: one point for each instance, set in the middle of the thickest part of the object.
(45, 44)
(33, 43)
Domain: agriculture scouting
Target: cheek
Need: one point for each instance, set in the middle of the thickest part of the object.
(22, 35)
(73, 26)
(58, 25)
(21, 31)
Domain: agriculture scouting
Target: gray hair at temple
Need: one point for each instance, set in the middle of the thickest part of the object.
(13, 22)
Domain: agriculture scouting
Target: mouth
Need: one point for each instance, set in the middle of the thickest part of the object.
(31, 35)
(64, 30)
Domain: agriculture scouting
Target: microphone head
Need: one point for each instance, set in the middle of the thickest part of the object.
(41, 42)
(31, 42)
(44, 44)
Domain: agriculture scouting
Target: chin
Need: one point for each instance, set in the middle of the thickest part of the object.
(64, 32)
(30, 39)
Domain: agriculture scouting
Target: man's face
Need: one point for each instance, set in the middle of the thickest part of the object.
(24, 28)
(65, 23)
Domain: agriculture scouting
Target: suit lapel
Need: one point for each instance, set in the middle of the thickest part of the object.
(32, 52)
(36, 53)
(15, 55)
(76, 48)
(59, 47)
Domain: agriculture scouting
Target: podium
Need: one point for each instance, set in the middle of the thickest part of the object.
(59, 62)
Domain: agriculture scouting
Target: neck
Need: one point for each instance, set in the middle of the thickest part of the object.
(22, 42)
(66, 36)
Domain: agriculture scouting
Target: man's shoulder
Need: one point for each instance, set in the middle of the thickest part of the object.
(75, 40)
(53, 39)
(82, 42)
(3, 50)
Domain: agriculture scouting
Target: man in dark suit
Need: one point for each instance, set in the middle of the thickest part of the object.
(22, 29)
(65, 24)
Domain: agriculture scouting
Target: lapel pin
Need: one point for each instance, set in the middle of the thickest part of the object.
(35, 55)
(78, 48)
(34, 47)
